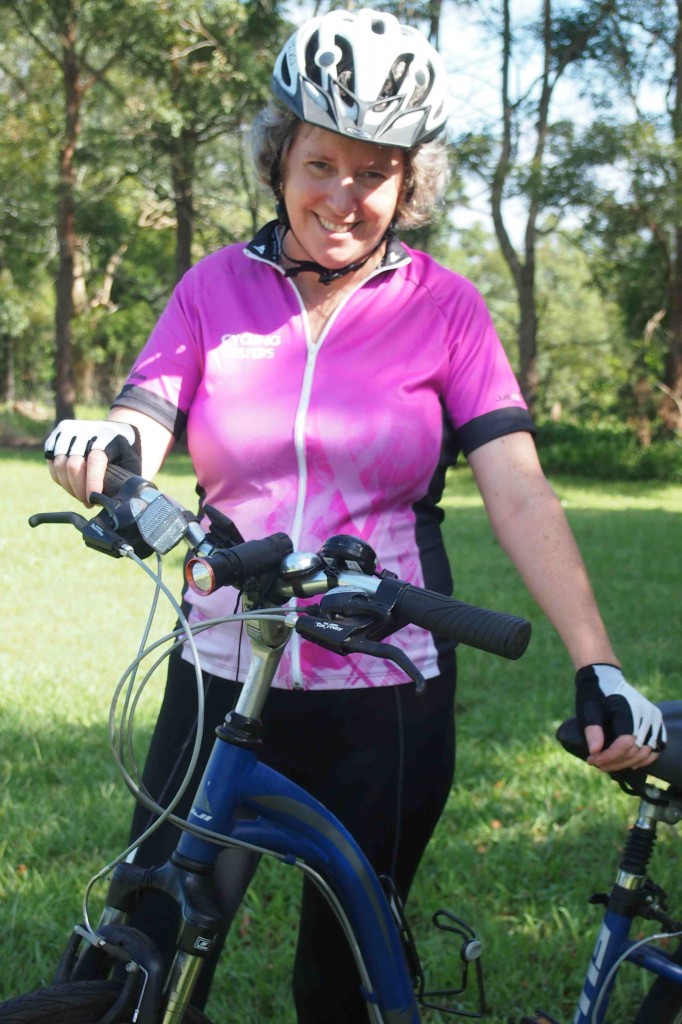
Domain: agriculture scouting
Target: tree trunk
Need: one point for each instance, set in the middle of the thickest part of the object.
(673, 367)
(182, 168)
(65, 390)
(522, 265)
(522, 271)
(674, 361)
(9, 389)
(435, 10)
(529, 378)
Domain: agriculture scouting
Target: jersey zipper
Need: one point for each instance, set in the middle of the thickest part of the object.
(312, 349)
(300, 421)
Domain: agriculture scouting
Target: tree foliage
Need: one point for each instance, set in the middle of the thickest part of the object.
(610, 155)
(137, 113)
(637, 220)
(516, 160)
(123, 159)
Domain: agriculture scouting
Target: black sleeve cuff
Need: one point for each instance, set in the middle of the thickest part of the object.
(157, 408)
(491, 425)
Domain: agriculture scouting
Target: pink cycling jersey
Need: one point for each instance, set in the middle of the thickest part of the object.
(344, 435)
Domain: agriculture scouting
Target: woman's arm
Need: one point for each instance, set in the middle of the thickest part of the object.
(530, 524)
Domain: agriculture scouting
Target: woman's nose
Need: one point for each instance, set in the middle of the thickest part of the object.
(342, 195)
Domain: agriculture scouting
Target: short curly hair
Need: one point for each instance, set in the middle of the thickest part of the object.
(426, 165)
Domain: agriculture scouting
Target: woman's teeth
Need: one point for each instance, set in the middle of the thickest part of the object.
(335, 228)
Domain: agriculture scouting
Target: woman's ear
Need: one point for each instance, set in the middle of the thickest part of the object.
(276, 179)
(281, 211)
(405, 197)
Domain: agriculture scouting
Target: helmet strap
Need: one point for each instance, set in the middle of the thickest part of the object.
(326, 274)
(281, 211)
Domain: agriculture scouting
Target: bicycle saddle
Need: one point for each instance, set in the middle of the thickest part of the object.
(668, 766)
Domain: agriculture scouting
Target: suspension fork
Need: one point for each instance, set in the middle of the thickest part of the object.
(623, 904)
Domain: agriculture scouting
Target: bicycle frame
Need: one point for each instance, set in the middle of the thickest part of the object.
(286, 822)
(254, 807)
(614, 946)
(245, 804)
(632, 894)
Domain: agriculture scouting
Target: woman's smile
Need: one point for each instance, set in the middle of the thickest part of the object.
(336, 229)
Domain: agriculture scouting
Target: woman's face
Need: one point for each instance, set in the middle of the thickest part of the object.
(340, 195)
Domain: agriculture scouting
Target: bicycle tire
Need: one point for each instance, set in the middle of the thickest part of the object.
(663, 1002)
(78, 1002)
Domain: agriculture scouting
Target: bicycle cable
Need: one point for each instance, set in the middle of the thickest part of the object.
(621, 959)
(160, 587)
(121, 736)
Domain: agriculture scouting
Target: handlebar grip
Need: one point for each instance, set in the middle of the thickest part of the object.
(231, 567)
(114, 478)
(495, 632)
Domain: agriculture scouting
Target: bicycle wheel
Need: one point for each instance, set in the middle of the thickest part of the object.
(663, 1002)
(79, 1002)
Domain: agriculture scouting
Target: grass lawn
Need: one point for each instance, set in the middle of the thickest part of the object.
(528, 834)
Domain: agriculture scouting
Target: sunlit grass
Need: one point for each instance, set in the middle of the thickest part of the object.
(528, 834)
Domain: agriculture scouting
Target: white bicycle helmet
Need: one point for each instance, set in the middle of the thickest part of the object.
(364, 75)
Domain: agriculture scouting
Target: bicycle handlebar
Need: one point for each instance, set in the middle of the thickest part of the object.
(114, 478)
(375, 604)
(495, 632)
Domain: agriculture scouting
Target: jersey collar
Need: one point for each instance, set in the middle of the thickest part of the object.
(266, 247)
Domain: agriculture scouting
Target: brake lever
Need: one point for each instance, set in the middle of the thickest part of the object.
(346, 637)
(361, 645)
(96, 532)
(138, 518)
(68, 518)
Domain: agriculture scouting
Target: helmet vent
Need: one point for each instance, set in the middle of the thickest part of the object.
(423, 84)
(345, 70)
(312, 68)
(396, 76)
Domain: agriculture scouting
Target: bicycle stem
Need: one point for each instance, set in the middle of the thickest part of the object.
(268, 640)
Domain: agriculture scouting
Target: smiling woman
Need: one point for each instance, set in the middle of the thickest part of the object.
(425, 164)
(326, 375)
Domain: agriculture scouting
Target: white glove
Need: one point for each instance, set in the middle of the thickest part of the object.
(604, 698)
(79, 437)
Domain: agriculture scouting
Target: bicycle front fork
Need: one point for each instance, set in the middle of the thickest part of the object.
(119, 950)
(633, 895)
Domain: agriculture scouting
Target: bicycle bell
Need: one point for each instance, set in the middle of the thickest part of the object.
(346, 552)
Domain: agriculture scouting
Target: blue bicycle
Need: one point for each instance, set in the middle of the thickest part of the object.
(113, 973)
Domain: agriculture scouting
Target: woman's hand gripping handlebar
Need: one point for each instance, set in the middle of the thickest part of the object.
(137, 516)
